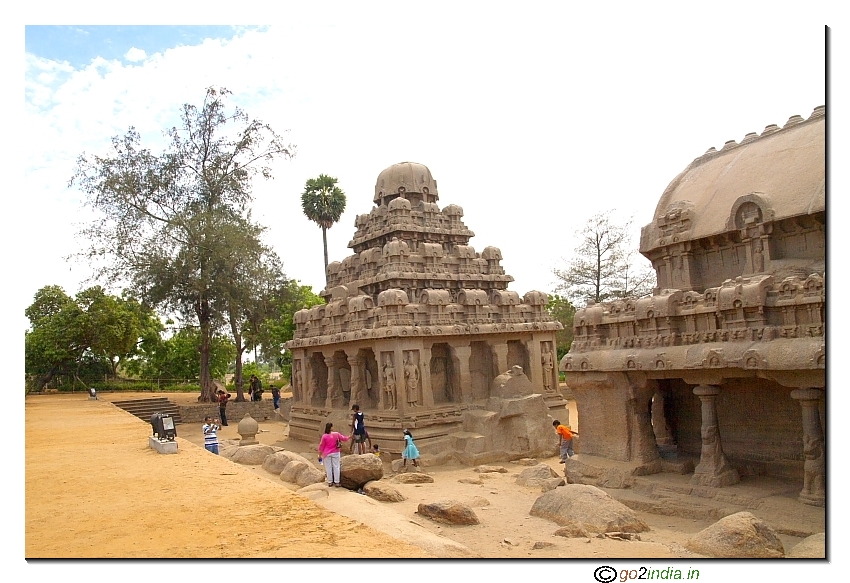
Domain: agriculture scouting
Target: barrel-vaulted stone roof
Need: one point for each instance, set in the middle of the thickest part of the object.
(710, 190)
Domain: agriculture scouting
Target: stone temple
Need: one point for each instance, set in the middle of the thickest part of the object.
(725, 363)
(420, 330)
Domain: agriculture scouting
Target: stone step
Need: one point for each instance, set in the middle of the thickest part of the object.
(144, 408)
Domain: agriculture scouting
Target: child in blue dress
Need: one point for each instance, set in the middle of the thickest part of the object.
(410, 452)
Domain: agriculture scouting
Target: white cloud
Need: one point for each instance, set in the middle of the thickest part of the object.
(135, 55)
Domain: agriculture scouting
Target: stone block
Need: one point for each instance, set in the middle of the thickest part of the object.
(162, 446)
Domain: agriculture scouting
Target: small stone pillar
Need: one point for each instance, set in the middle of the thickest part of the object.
(463, 353)
(248, 429)
(660, 426)
(814, 489)
(713, 469)
(334, 395)
(500, 354)
(357, 380)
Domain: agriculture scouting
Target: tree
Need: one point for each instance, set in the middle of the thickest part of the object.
(83, 337)
(161, 216)
(279, 327)
(562, 311)
(254, 275)
(176, 357)
(605, 265)
(323, 202)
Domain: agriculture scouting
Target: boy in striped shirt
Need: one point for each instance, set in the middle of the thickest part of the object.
(210, 436)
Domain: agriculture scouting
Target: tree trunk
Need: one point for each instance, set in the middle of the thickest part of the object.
(207, 389)
(237, 376)
(325, 241)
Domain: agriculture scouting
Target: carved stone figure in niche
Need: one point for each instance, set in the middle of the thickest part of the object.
(389, 384)
(438, 378)
(758, 256)
(548, 365)
(411, 380)
(296, 383)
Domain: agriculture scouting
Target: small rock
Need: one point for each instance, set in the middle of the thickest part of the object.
(448, 512)
(473, 481)
(491, 469)
(541, 545)
(526, 461)
(413, 479)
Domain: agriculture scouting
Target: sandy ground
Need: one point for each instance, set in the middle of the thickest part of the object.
(108, 494)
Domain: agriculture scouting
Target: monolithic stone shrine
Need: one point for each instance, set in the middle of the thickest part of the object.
(421, 331)
(725, 363)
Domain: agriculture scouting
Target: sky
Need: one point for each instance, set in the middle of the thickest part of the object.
(531, 116)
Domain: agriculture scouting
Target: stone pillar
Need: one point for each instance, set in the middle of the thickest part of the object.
(663, 435)
(814, 488)
(713, 468)
(400, 387)
(463, 353)
(535, 363)
(643, 445)
(357, 376)
(309, 375)
(425, 368)
(333, 397)
(500, 355)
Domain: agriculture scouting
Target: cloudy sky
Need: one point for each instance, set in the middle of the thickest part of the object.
(531, 116)
(532, 119)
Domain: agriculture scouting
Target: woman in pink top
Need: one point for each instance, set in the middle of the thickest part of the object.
(329, 448)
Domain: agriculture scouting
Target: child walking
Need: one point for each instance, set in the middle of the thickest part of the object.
(565, 440)
(410, 452)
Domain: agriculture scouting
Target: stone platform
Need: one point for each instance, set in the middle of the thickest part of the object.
(162, 446)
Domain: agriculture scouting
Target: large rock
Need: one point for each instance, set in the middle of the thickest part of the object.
(356, 470)
(811, 547)
(252, 455)
(277, 462)
(302, 473)
(383, 492)
(738, 536)
(536, 476)
(448, 512)
(587, 509)
(413, 479)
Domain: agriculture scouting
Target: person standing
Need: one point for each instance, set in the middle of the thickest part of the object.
(275, 396)
(410, 452)
(358, 430)
(565, 440)
(223, 398)
(210, 436)
(330, 446)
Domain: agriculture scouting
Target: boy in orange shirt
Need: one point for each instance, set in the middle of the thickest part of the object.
(565, 440)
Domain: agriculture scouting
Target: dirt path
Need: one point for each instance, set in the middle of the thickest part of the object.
(109, 495)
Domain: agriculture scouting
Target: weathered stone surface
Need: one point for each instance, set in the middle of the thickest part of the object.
(413, 479)
(811, 547)
(526, 461)
(448, 512)
(579, 506)
(572, 531)
(382, 491)
(552, 483)
(276, 462)
(252, 455)
(356, 470)
(292, 469)
(541, 545)
(738, 536)
(310, 475)
(479, 501)
(491, 469)
(536, 476)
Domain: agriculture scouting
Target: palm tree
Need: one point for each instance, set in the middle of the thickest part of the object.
(323, 203)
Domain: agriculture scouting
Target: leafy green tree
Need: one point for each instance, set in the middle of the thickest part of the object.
(605, 265)
(254, 276)
(176, 357)
(562, 311)
(82, 337)
(323, 202)
(279, 327)
(161, 217)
